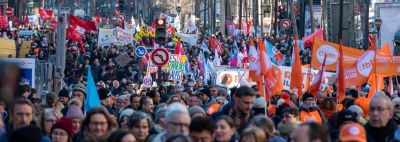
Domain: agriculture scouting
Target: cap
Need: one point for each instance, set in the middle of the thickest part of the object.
(346, 115)
(104, 93)
(353, 132)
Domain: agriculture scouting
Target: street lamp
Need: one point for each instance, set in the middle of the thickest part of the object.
(378, 23)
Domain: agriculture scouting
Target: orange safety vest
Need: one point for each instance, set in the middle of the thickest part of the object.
(312, 116)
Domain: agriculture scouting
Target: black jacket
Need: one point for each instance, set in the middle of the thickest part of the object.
(386, 133)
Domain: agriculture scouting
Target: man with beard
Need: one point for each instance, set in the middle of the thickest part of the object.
(241, 109)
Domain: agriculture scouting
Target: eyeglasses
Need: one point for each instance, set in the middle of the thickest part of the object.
(379, 109)
(50, 121)
(59, 133)
(178, 124)
(98, 123)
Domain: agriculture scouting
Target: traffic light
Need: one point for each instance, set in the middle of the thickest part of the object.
(282, 12)
(161, 31)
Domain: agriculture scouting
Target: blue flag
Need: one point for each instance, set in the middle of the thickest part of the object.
(92, 98)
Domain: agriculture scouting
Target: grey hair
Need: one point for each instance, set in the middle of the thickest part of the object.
(381, 94)
(135, 118)
(396, 101)
(175, 108)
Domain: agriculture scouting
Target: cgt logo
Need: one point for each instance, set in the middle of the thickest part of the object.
(331, 54)
(365, 63)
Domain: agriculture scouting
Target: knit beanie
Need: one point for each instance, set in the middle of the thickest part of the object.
(51, 97)
(79, 87)
(63, 93)
(306, 96)
(65, 124)
(196, 109)
(74, 111)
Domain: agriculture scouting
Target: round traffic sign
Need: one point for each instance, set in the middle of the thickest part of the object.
(286, 24)
(159, 56)
(147, 81)
(9, 11)
(140, 51)
(121, 18)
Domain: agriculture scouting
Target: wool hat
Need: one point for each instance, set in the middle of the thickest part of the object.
(353, 132)
(259, 102)
(74, 111)
(51, 97)
(196, 109)
(126, 112)
(160, 113)
(63, 93)
(65, 124)
(104, 93)
(79, 87)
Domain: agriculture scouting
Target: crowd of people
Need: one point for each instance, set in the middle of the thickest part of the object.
(181, 112)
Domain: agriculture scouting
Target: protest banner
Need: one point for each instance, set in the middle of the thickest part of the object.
(24, 49)
(287, 71)
(122, 60)
(358, 73)
(321, 47)
(232, 77)
(115, 36)
(189, 38)
(151, 68)
(26, 67)
(107, 37)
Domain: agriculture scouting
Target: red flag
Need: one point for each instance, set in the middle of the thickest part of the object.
(45, 14)
(317, 81)
(73, 35)
(296, 80)
(86, 25)
(178, 48)
(268, 72)
(215, 45)
(340, 94)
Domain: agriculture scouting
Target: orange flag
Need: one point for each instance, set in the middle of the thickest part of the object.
(267, 71)
(296, 80)
(340, 95)
(317, 81)
(253, 61)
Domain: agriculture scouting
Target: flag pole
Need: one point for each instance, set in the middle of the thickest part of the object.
(264, 94)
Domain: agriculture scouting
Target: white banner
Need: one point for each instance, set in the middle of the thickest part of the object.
(287, 72)
(390, 24)
(189, 38)
(116, 36)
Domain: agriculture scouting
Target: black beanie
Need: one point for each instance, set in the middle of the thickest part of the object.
(63, 93)
(306, 96)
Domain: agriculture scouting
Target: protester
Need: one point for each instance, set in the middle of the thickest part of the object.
(139, 124)
(121, 136)
(97, 126)
(353, 132)
(202, 129)
(310, 131)
(310, 112)
(62, 131)
(380, 125)
(48, 119)
(75, 113)
(123, 118)
(177, 122)
(226, 130)
(253, 134)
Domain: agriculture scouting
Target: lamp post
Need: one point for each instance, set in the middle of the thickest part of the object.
(378, 23)
(178, 10)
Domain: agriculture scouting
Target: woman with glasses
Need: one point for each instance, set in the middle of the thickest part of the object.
(97, 126)
(48, 118)
(62, 130)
